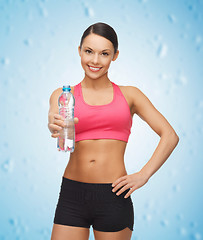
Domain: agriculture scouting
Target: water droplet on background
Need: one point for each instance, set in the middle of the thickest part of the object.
(200, 104)
(180, 216)
(198, 39)
(198, 236)
(7, 165)
(176, 188)
(147, 217)
(198, 42)
(90, 12)
(190, 7)
(183, 231)
(173, 173)
(162, 50)
(13, 221)
(143, 1)
(42, 10)
(184, 35)
(28, 42)
(9, 29)
(193, 224)
(164, 223)
(172, 18)
(195, 236)
(45, 232)
(149, 204)
(5, 61)
(182, 80)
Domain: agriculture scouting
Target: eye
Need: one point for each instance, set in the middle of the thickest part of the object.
(105, 53)
(88, 51)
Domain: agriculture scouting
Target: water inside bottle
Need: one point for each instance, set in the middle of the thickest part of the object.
(66, 102)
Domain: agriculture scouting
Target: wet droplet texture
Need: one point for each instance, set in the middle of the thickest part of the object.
(161, 53)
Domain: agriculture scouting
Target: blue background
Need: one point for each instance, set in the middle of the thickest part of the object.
(161, 53)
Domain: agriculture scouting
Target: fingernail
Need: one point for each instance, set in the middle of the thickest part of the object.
(112, 185)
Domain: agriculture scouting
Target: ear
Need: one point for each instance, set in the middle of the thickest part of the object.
(115, 55)
(79, 51)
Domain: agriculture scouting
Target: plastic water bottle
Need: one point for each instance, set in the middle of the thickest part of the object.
(66, 103)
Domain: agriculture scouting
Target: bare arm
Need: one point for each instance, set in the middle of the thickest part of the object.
(169, 139)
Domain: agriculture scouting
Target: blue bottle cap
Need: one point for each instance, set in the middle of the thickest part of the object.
(66, 88)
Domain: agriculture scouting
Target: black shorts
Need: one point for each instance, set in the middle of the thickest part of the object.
(84, 204)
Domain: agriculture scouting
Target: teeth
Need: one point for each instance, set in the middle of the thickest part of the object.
(94, 68)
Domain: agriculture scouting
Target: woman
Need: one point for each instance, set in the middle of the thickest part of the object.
(96, 189)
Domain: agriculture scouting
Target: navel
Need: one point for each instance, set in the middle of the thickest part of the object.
(92, 160)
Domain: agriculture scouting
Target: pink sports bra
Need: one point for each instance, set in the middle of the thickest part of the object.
(109, 121)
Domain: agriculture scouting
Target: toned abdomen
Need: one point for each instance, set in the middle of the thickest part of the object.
(97, 161)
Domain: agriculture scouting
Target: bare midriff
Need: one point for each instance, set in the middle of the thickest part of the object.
(97, 161)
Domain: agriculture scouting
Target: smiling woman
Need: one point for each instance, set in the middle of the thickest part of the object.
(96, 188)
(96, 54)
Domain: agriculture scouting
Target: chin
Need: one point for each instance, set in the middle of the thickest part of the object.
(92, 77)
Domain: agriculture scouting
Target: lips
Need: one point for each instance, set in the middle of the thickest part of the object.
(94, 69)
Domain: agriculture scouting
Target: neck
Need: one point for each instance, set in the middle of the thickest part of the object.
(99, 83)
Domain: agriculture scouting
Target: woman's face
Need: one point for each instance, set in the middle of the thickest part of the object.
(96, 55)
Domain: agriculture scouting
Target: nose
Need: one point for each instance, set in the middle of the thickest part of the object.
(95, 59)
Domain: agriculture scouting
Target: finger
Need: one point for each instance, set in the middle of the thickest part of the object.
(55, 135)
(54, 127)
(122, 190)
(59, 122)
(58, 116)
(61, 118)
(119, 180)
(129, 192)
(118, 186)
(76, 120)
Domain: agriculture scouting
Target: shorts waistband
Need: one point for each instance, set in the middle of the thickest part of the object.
(73, 184)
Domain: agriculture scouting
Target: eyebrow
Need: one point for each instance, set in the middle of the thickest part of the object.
(102, 50)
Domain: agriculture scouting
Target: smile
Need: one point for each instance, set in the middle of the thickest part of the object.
(94, 69)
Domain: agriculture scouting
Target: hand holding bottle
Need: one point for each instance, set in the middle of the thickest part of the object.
(58, 124)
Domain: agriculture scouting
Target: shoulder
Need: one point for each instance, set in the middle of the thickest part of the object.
(55, 94)
(136, 97)
(128, 89)
(72, 89)
(132, 92)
